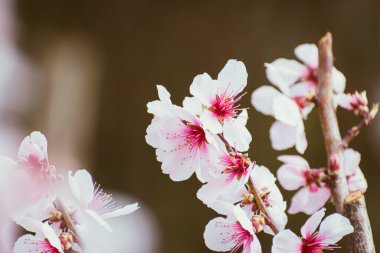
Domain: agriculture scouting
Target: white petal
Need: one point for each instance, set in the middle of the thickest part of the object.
(283, 73)
(343, 100)
(222, 207)
(302, 89)
(286, 242)
(163, 94)
(308, 53)
(30, 224)
(242, 118)
(237, 134)
(253, 247)
(216, 233)
(193, 105)
(341, 225)
(357, 182)
(312, 223)
(51, 236)
(291, 177)
(338, 81)
(243, 219)
(82, 186)
(24, 244)
(262, 99)
(99, 219)
(294, 160)
(204, 88)
(309, 202)
(233, 77)
(351, 161)
(286, 111)
(211, 122)
(301, 141)
(282, 136)
(128, 209)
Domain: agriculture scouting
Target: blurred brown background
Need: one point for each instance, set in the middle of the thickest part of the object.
(98, 63)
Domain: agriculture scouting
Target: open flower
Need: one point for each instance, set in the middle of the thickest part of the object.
(45, 240)
(331, 230)
(184, 146)
(96, 203)
(295, 173)
(230, 234)
(284, 73)
(220, 99)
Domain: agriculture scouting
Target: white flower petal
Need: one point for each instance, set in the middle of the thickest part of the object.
(282, 136)
(204, 88)
(308, 53)
(82, 186)
(243, 219)
(357, 182)
(291, 177)
(286, 242)
(338, 81)
(262, 99)
(286, 111)
(128, 209)
(237, 134)
(163, 94)
(211, 122)
(351, 161)
(193, 105)
(233, 77)
(312, 223)
(216, 234)
(341, 225)
(99, 219)
(52, 237)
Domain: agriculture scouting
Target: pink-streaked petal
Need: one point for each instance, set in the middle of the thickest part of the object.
(286, 111)
(237, 135)
(286, 242)
(82, 186)
(233, 77)
(282, 136)
(341, 227)
(32, 153)
(211, 122)
(312, 223)
(308, 53)
(204, 88)
(357, 182)
(283, 73)
(216, 233)
(351, 161)
(52, 237)
(128, 209)
(243, 219)
(253, 246)
(291, 177)
(338, 81)
(262, 99)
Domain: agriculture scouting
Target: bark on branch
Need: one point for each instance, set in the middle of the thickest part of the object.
(361, 240)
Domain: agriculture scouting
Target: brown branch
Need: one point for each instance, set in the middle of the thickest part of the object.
(333, 143)
(255, 193)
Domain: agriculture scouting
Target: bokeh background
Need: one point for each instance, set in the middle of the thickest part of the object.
(82, 72)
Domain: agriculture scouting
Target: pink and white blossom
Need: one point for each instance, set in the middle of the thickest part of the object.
(357, 102)
(94, 201)
(45, 240)
(232, 233)
(296, 173)
(220, 102)
(355, 177)
(331, 230)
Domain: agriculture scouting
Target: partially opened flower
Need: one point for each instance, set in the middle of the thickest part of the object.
(184, 147)
(295, 173)
(355, 178)
(284, 73)
(333, 228)
(357, 102)
(232, 233)
(96, 203)
(220, 99)
(44, 240)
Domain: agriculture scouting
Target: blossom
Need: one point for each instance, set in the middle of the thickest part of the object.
(295, 173)
(285, 73)
(45, 240)
(355, 178)
(331, 230)
(288, 130)
(97, 204)
(357, 102)
(232, 233)
(184, 146)
(220, 98)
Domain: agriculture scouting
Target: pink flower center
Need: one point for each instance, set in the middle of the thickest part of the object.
(314, 244)
(223, 106)
(236, 165)
(43, 245)
(312, 75)
(313, 178)
(301, 101)
(195, 136)
(236, 234)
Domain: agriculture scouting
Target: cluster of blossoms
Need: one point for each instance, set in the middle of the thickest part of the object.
(207, 136)
(61, 215)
